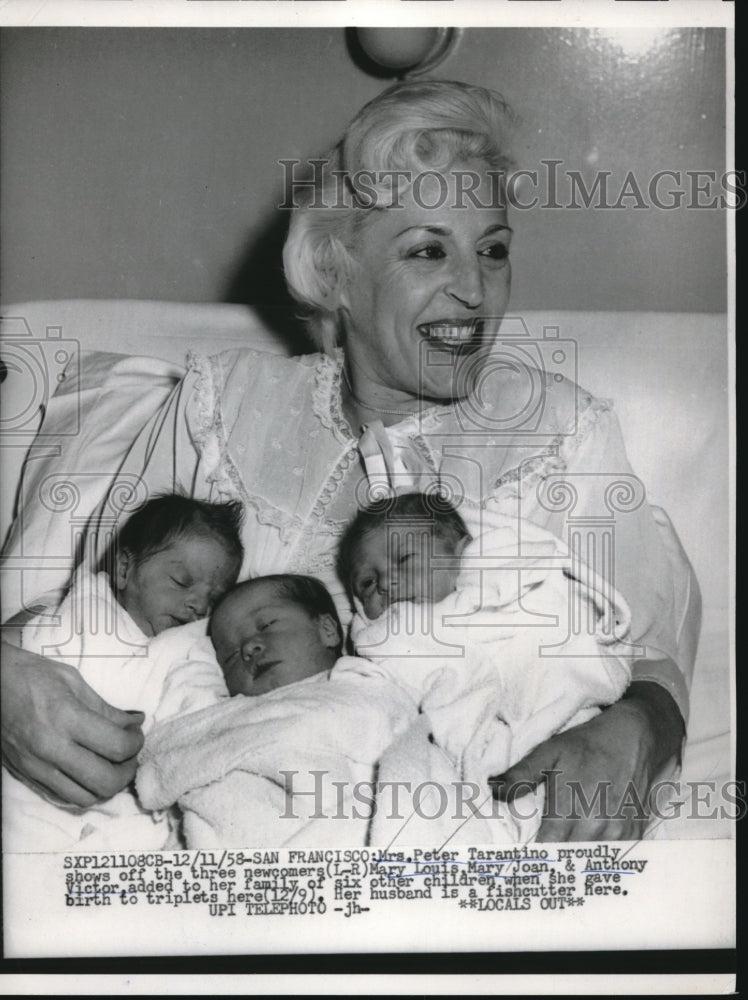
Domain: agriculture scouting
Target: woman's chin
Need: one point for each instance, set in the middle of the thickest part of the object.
(452, 374)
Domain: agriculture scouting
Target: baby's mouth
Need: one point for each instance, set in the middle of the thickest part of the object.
(262, 668)
(454, 333)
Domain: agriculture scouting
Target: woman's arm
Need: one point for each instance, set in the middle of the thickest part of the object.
(59, 736)
(598, 775)
(620, 752)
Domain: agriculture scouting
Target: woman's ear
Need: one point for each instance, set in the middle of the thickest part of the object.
(122, 569)
(328, 631)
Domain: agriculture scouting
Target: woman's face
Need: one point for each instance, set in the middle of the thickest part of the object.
(427, 280)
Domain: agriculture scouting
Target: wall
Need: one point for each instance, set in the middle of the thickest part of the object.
(143, 163)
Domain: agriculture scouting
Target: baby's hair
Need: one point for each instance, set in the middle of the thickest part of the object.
(433, 508)
(164, 518)
(308, 593)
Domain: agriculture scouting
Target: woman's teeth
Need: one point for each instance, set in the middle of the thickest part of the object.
(450, 333)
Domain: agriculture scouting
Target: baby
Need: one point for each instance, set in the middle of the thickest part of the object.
(480, 632)
(273, 631)
(174, 558)
(170, 563)
(294, 710)
(404, 548)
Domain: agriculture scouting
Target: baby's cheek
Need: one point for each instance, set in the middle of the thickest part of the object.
(444, 582)
(236, 681)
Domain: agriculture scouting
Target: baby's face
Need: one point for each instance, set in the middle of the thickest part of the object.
(264, 641)
(395, 562)
(179, 584)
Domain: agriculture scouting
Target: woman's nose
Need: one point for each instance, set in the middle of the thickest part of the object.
(465, 284)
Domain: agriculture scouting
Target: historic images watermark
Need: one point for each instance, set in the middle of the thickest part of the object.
(315, 792)
(552, 186)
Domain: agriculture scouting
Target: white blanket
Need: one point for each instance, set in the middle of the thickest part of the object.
(163, 676)
(293, 766)
(528, 645)
(92, 633)
(313, 763)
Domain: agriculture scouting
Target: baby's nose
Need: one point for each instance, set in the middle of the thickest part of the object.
(376, 604)
(252, 649)
(198, 604)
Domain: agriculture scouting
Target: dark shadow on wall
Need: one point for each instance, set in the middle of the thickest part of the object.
(258, 281)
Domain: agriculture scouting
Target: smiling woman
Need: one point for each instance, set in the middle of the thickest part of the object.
(418, 389)
(438, 283)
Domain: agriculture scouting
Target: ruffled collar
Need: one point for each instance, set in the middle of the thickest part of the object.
(327, 403)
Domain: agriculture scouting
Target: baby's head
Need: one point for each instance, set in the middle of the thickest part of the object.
(388, 551)
(175, 557)
(273, 631)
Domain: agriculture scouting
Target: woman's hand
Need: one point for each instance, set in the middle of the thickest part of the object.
(598, 775)
(59, 736)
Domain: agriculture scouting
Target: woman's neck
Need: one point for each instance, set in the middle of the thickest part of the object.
(364, 401)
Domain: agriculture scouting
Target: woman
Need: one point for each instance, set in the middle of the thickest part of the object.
(400, 256)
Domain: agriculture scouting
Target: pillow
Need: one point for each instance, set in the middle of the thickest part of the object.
(77, 352)
(102, 403)
(39, 340)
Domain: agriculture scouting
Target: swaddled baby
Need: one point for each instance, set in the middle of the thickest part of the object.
(281, 760)
(274, 631)
(480, 632)
(120, 628)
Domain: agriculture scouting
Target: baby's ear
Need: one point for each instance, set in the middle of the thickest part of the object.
(328, 631)
(460, 547)
(122, 569)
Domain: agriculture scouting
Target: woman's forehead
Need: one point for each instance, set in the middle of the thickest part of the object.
(440, 203)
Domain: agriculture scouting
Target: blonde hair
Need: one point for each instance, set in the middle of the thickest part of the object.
(416, 126)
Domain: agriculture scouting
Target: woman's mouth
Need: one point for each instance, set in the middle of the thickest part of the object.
(454, 333)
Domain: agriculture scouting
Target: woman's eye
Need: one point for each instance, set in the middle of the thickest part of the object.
(179, 583)
(267, 625)
(431, 252)
(367, 584)
(497, 251)
(406, 557)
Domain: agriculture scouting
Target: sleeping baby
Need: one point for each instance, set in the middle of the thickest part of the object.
(481, 633)
(280, 760)
(273, 631)
(123, 628)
